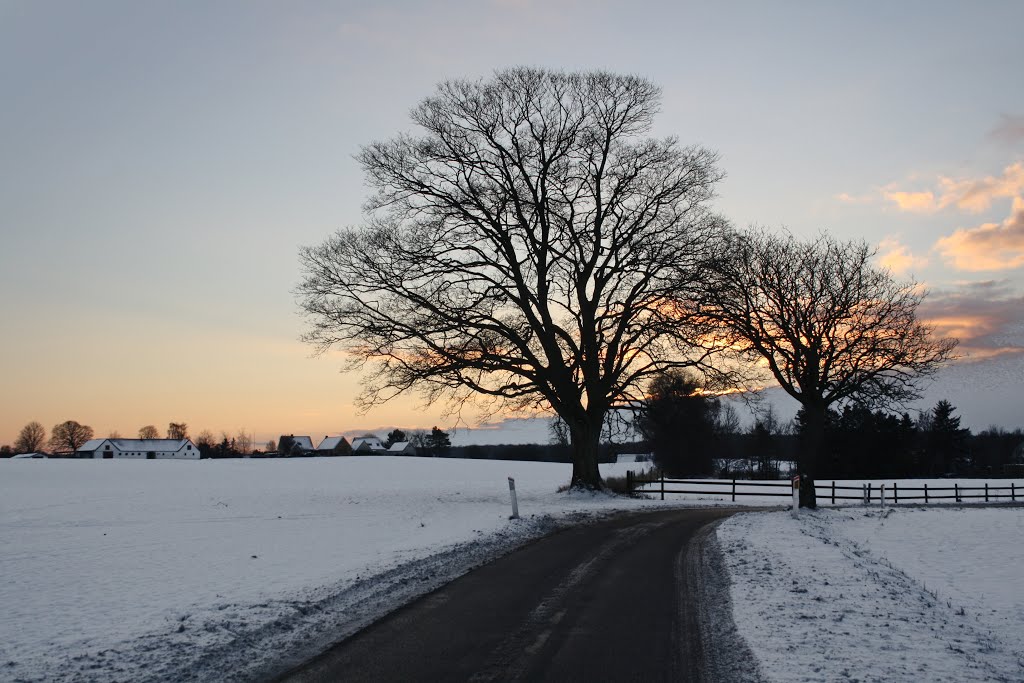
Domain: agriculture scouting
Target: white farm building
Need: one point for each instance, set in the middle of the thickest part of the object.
(139, 449)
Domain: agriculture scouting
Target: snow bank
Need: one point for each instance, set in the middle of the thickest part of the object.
(914, 594)
(213, 570)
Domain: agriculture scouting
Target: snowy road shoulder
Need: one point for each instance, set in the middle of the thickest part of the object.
(915, 594)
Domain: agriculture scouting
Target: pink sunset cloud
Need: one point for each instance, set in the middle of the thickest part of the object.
(991, 246)
(967, 194)
(897, 257)
(987, 317)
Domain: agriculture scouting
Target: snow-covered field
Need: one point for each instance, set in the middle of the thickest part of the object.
(911, 594)
(235, 569)
(220, 569)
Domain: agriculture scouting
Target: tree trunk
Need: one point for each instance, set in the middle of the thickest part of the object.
(810, 451)
(586, 439)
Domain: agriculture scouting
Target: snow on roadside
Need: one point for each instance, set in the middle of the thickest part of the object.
(229, 570)
(852, 594)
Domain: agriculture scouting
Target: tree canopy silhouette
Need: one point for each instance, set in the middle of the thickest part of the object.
(529, 248)
(680, 422)
(31, 438)
(831, 327)
(69, 436)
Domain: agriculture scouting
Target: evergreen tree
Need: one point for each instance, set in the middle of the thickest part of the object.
(438, 442)
(945, 441)
(680, 424)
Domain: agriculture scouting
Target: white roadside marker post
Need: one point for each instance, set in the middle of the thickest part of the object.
(512, 492)
(796, 495)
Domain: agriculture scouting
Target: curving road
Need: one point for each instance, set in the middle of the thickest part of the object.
(612, 601)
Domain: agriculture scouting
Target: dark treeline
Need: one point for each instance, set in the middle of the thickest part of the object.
(858, 443)
(693, 435)
(527, 452)
(862, 443)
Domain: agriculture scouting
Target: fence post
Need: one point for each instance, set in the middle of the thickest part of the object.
(734, 490)
(512, 492)
(663, 486)
(629, 482)
(956, 492)
(833, 491)
(881, 495)
(986, 491)
(926, 494)
(1013, 492)
(796, 495)
(895, 493)
(869, 493)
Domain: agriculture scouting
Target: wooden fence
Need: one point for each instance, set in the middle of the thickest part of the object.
(826, 491)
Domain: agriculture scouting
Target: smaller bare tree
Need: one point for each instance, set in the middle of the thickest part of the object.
(177, 430)
(206, 439)
(558, 432)
(244, 441)
(31, 438)
(419, 438)
(69, 436)
(149, 432)
(831, 327)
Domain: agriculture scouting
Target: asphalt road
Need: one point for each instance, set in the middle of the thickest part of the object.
(613, 601)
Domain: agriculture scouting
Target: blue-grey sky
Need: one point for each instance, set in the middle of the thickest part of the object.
(161, 163)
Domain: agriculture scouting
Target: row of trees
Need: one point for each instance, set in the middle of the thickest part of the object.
(532, 248)
(65, 437)
(69, 436)
(691, 434)
(694, 434)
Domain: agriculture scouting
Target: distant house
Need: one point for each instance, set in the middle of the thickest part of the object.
(334, 445)
(402, 448)
(369, 445)
(292, 445)
(139, 449)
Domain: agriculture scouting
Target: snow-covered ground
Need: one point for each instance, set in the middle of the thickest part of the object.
(911, 594)
(220, 569)
(232, 569)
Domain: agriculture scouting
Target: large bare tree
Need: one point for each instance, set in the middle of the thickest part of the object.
(830, 326)
(530, 247)
(31, 438)
(69, 436)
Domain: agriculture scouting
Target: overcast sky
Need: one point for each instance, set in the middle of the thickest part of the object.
(162, 162)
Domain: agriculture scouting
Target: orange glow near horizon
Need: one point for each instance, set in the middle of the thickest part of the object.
(126, 387)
